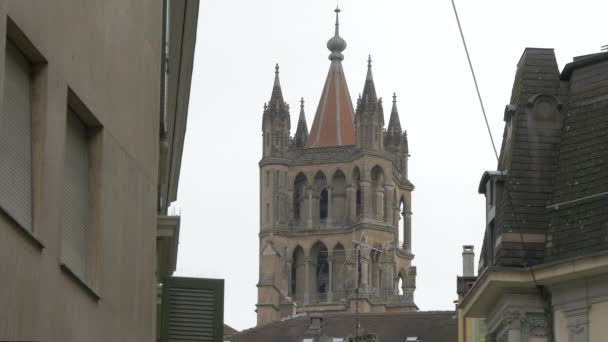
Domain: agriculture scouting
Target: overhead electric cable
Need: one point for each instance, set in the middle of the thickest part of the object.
(466, 50)
(507, 183)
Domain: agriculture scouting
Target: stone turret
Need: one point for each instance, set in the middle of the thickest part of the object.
(301, 137)
(276, 122)
(395, 140)
(393, 133)
(369, 117)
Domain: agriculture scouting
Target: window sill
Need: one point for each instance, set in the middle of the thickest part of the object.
(30, 236)
(83, 284)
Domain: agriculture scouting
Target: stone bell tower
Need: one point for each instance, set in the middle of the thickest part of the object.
(330, 193)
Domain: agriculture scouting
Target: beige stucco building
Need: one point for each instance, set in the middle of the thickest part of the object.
(334, 204)
(91, 129)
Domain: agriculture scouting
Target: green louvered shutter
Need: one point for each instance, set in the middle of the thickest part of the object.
(192, 310)
(16, 139)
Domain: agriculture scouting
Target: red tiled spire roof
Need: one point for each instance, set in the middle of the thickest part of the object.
(334, 120)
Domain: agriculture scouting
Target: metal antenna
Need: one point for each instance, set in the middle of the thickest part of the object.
(605, 48)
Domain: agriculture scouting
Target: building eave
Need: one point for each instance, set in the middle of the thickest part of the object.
(581, 62)
(182, 40)
(494, 282)
(167, 241)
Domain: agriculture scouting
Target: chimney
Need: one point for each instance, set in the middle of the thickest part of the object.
(468, 261)
(316, 324)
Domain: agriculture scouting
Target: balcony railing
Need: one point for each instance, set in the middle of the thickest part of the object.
(333, 223)
(378, 296)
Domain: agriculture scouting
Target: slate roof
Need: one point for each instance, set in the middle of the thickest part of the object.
(430, 326)
(555, 154)
(579, 221)
(229, 331)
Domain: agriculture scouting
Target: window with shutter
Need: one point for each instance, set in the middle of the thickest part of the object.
(16, 139)
(192, 310)
(76, 196)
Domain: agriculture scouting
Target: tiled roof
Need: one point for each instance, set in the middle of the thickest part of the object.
(431, 326)
(334, 120)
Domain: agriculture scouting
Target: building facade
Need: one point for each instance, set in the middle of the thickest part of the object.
(334, 202)
(91, 129)
(543, 270)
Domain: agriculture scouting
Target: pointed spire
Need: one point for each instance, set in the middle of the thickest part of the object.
(369, 89)
(276, 121)
(336, 44)
(394, 125)
(277, 106)
(277, 94)
(369, 69)
(333, 124)
(302, 117)
(394, 134)
(301, 136)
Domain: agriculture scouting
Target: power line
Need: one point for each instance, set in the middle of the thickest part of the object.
(557, 205)
(508, 189)
(483, 110)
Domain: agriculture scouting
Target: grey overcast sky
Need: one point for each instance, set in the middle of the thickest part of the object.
(417, 53)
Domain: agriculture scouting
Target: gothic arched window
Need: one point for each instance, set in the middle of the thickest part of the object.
(323, 201)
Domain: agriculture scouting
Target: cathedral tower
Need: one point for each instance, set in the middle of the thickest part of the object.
(334, 204)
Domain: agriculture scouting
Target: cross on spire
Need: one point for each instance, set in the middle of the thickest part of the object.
(336, 44)
(337, 10)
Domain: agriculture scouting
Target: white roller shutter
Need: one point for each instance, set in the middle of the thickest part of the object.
(76, 196)
(16, 139)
